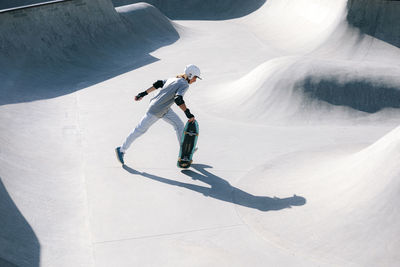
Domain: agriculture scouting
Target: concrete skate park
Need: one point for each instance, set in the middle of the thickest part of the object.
(299, 146)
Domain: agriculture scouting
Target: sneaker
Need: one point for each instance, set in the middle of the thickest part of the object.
(120, 155)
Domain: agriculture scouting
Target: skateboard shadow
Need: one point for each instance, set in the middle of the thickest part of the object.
(220, 189)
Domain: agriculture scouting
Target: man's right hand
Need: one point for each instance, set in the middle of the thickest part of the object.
(141, 95)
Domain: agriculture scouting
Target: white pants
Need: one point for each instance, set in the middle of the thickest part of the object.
(147, 121)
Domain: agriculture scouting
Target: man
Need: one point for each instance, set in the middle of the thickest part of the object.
(172, 91)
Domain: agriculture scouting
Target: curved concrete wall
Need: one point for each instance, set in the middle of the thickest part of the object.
(49, 51)
(19, 245)
(380, 19)
(201, 9)
(68, 36)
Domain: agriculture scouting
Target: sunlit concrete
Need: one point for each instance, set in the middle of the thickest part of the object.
(298, 149)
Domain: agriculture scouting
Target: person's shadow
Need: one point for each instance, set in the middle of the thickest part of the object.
(222, 190)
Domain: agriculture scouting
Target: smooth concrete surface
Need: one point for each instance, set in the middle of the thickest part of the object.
(298, 149)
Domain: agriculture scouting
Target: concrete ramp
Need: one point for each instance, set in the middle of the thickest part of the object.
(62, 47)
(318, 89)
(351, 213)
(19, 245)
(298, 152)
(335, 71)
(48, 52)
(377, 18)
(201, 9)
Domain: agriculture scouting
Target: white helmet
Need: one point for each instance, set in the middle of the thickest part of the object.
(191, 71)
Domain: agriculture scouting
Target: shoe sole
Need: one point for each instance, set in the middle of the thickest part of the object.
(116, 153)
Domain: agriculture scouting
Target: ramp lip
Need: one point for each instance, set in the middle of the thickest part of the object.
(32, 6)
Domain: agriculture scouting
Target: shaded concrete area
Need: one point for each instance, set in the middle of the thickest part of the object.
(30, 84)
(19, 245)
(361, 95)
(378, 18)
(72, 50)
(201, 9)
(6, 4)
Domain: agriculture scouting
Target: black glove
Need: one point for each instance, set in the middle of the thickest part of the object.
(141, 95)
(188, 114)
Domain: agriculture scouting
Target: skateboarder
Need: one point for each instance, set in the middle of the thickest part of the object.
(172, 91)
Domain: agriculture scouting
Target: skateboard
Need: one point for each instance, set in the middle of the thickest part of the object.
(188, 145)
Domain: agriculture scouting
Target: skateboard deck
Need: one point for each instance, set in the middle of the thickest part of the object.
(188, 145)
